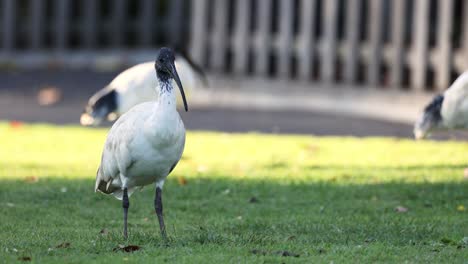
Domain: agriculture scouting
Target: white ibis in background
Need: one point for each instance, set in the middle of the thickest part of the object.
(134, 86)
(146, 143)
(446, 111)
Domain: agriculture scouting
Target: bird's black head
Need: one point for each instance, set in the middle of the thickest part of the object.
(430, 119)
(165, 70)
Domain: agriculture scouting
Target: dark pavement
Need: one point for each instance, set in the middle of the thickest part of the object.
(19, 90)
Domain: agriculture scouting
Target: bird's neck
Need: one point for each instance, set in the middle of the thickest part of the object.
(167, 97)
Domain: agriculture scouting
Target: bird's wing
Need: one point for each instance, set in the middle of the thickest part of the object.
(455, 105)
(115, 156)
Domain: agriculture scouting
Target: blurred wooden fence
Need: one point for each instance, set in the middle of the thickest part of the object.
(392, 44)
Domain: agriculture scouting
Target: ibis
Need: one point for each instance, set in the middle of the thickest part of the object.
(448, 110)
(134, 86)
(145, 144)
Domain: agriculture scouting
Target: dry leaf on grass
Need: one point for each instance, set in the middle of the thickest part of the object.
(25, 258)
(182, 181)
(287, 254)
(15, 124)
(63, 245)
(31, 179)
(103, 232)
(253, 199)
(282, 253)
(129, 248)
(401, 209)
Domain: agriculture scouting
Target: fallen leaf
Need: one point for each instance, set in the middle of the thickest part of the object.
(49, 96)
(16, 124)
(63, 245)
(146, 219)
(461, 208)
(258, 252)
(287, 254)
(25, 258)
(282, 253)
(103, 232)
(401, 209)
(253, 199)
(182, 181)
(129, 248)
(31, 179)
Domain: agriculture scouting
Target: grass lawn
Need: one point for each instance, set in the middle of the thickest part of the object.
(237, 198)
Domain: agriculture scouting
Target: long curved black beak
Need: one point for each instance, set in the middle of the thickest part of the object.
(175, 76)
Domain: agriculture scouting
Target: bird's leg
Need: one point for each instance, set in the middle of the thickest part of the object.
(159, 211)
(125, 205)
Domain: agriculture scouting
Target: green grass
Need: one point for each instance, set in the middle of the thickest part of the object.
(323, 198)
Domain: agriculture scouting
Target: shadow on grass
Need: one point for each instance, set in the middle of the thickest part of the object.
(223, 212)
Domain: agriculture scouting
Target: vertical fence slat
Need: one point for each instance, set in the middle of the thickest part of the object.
(241, 34)
(375, 42)
(118, 16)
(444, 49)
(175, 22)
(36, 22)
(198, 30)
(464, 65)
(146, 26)
(262, 44)
(329, 18)
(353, 14)
(306, 49)
(62, 8)
(218, 37)
(90, 23)
(8, 25)
(398, 30)
(420, 44)
(284, 39)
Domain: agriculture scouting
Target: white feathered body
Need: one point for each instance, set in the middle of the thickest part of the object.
(136, 84)
(142, 147)
(454, 109)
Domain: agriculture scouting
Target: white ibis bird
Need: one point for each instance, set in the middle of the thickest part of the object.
(446, 111)
(146, 143)
(134, 86)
